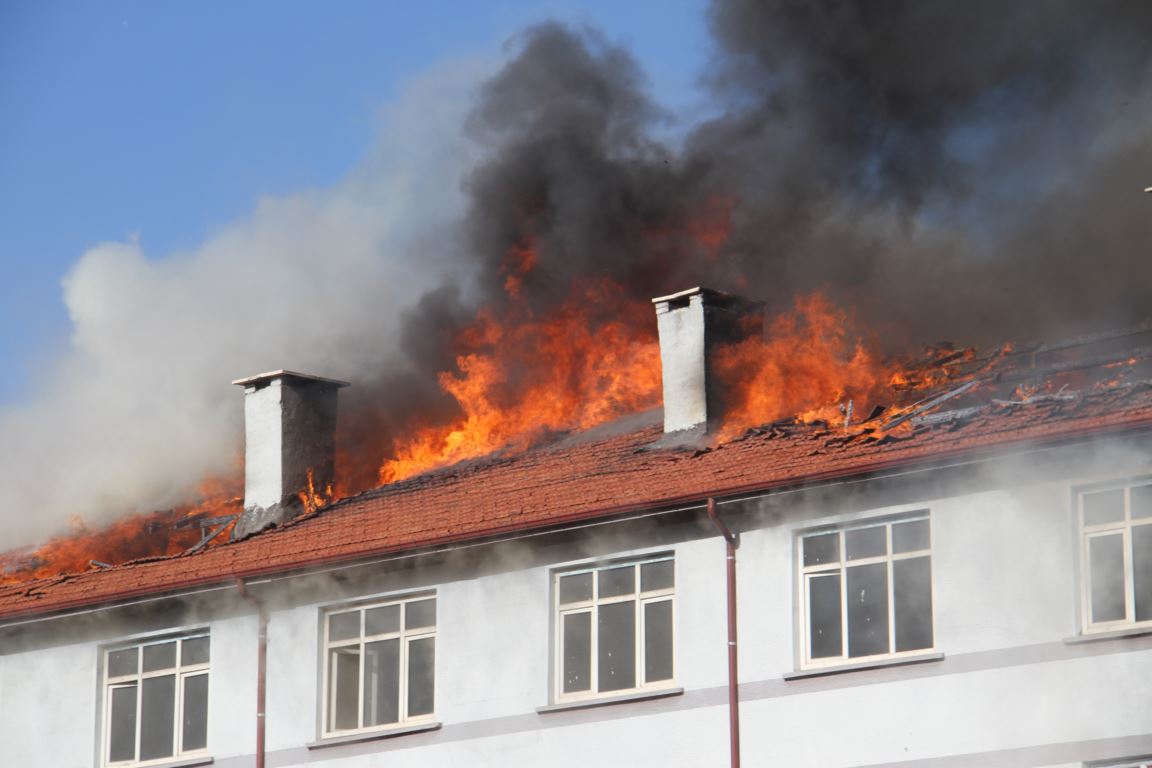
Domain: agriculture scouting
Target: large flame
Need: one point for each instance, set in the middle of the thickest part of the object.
(523, 377)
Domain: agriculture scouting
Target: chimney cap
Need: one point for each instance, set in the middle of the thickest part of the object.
(711, 296)
(264, 378)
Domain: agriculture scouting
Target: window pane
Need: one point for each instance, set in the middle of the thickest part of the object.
(658, 641)
(157, 657)
(122, 730)
(1106, 566)
(575, 588)
(866, 542)
(344, 626)
(911, 536)
(617, 581)
(1104, 507)
(157, 712)
(344, 668)
(867, 596)
(617, 646)
(1141, 501)
(419, 614)
(421, 676)
(1142, 570)
(382, 620)
(912, 594)
(655, 576)
(195, 712)
(824, 616)
(577, 652)
(122, 662)
(194, 651)
(381, 682)
(822, 549)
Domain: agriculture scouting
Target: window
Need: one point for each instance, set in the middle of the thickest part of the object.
(866, 590)
(1116, 556)
(614, 628)
(380, 664)
(156, 701)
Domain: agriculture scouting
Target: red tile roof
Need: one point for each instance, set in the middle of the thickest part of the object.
(594, 476)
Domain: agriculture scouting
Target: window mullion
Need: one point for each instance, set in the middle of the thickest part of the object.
(638, 636)
(891, 573)
(843, 599)
(403, 673)
(360, 676)
(1129, 576)
(139, 701)
(178, 710)
(594, 644)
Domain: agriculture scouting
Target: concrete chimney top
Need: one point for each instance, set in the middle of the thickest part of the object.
(263, 379)
(691, 324)
(289, 434)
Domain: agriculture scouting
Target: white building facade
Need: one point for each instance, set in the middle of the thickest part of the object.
(994, 613)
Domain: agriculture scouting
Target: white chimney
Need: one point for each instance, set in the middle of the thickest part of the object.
(691, 324)
(289, 429)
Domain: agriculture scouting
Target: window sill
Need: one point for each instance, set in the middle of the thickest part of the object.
(353, 738)
(863, 665)
(180, 762)
(605, 701)
(1114, 634)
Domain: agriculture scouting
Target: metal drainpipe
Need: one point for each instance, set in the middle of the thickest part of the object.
(732, 542)
(261, 667)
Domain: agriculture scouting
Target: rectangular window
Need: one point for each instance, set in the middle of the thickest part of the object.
(1116, 556)
(379, 665)
(155, 701)
(866, 590)
(614, 628)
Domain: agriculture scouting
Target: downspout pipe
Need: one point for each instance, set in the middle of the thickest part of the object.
(732, 542)
(261, 667)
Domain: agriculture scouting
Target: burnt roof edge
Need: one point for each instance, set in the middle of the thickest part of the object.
(938, 460)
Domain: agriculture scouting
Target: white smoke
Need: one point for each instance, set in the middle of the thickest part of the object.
(138, 408)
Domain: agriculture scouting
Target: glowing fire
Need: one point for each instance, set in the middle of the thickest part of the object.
(807, 365)
(523, 377)
(312, 498)
(166, 532)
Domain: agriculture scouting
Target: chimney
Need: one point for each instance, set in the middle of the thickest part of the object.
(691, 324)
(289, 429)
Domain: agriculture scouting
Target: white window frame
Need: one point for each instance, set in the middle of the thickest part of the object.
(180, 671)
(1088, 532)
(804, 574)
(406, 637)
(641, 598)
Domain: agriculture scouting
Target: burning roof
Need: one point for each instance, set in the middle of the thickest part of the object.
(1039, 394)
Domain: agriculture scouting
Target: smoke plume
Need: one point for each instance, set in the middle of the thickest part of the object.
(949, 170)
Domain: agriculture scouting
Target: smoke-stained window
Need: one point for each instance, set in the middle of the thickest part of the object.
(1116, 556)
(155, 700)
(379, 665)
(614, 628)
(866, 590)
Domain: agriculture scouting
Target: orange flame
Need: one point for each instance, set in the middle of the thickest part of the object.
(313, 498)
(806, 366)
(527, 377)
(152, 534)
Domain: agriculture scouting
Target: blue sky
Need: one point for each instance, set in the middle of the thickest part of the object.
(172, 120)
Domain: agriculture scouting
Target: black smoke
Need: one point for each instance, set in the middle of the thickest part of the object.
(963, 171)
(971, 170)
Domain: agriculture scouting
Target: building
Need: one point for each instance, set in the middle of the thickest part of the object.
(974, 589)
